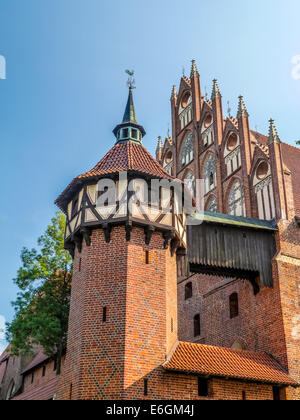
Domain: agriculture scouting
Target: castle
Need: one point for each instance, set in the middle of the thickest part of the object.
(166, 309)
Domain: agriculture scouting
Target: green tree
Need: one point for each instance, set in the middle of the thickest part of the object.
(43, 302)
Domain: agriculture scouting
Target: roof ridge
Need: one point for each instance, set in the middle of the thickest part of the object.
(222, 348)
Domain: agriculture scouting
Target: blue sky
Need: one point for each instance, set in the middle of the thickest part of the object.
(66, 88)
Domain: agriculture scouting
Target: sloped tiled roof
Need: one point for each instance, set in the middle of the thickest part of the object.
(222, 362)
(42, 393)
(38, 360)
(127, 156)
(187, 80)
(264, 149)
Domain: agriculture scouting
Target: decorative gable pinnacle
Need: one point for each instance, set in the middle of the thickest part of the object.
(215, 91)
(174, 92)
(273, 135)
(159, 144)
(194, 71)
(242, 110)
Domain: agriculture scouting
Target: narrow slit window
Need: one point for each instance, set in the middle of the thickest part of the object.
(172, 325)
(79, 268)
(104, 314)
(44, 371)
(147, 257)
(197, 326)
(32, 377)
(234, 305)
(145, 387)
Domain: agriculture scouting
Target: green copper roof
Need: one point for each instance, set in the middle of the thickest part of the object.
(129, 129)
(237, 221)
(129, 115)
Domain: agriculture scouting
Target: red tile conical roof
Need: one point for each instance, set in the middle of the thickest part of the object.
(128, 156)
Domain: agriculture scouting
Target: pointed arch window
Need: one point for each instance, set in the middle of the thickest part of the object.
(189, 181)
(187, 150)
(209, 173)
(236, 201)
(212, 205)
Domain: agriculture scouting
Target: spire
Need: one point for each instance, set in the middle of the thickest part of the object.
(215, 91)
(273, 135)
(174, 92)
(129, 129)
(129, 115)
(242, 111)
(194, 71)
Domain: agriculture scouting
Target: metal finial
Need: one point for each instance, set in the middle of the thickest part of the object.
(131, 80)
(183, 71)
(229, 109)
(168, 132)
(206, 94)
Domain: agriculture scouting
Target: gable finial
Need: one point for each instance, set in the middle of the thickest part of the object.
(229, 109)
(273, 134)
(215, 90)
(242, 110)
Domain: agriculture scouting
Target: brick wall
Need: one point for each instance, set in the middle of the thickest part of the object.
(110, 359)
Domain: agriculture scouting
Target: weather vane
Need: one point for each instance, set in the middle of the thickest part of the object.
(131, 80)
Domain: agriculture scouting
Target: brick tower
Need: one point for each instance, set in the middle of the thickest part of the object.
(123, 316)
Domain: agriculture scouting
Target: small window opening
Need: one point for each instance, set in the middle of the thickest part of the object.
(32, 377)
(202, 387)
(276, 393)
(44, 371)
(74, 207)
(188, 291)
(125, 133)
(172, 325)
(134, 133)
(244, 396)
(79, 268)
(55, 364)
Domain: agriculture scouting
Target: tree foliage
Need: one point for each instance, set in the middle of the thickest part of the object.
(42, 304)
